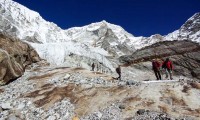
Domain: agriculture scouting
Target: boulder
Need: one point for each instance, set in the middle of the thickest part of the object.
(122, 106)
(13, 117)
(6, 106)
(15, 56)
(141, 111)
(131, 82)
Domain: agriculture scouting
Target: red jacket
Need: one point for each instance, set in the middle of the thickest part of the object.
(168, 65)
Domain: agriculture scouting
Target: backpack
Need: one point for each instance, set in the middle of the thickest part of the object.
(155, 65)
(118, 70)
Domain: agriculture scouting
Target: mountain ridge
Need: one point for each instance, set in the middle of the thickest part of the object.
(21, 12)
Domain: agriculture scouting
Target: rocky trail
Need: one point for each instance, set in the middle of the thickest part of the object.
(62, 93)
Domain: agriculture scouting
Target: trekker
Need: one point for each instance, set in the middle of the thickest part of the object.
(118, 70)
(156, 69)
(167, 65)
(93, 66)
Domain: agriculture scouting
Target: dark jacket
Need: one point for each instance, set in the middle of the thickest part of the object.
(155, 65)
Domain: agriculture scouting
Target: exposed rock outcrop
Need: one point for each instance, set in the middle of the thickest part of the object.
(14, 57)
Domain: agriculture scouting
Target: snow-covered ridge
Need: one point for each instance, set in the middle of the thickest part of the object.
(19, 21)
(25, 24)
(189, 30)
(97, 31)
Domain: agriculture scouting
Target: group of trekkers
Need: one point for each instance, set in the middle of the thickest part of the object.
(162, 67)
(118, 70)
(158, 66)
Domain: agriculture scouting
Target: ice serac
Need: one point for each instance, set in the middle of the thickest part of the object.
(15, 55)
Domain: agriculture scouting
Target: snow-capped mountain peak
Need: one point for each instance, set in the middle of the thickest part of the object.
(190, 30)
(93, 41)
(100, 29)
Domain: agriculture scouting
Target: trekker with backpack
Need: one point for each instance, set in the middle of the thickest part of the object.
(167, 65)
(118, 70)
(156, 69)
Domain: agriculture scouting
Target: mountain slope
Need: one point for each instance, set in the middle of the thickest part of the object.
(109, 37)
(93, 42)
(17, 20)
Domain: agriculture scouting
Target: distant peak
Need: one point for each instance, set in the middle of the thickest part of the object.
(104, 21)
(195, 16)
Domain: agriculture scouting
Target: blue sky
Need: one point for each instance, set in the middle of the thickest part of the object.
(138, 17)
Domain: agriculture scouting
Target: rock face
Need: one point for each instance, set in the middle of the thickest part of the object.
(184, 54)
(14, 57)
(188, 64)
